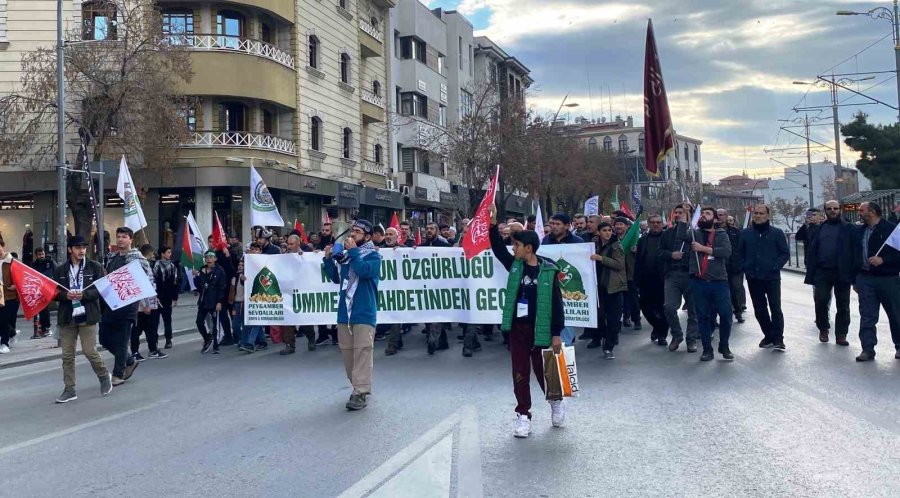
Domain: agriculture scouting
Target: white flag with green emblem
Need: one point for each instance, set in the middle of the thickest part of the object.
(263, 211)
(134, 215)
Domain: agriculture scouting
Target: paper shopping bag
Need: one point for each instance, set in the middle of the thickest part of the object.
(553, 389)
(568, 371)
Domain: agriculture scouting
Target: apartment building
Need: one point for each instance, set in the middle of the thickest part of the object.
(296, 88)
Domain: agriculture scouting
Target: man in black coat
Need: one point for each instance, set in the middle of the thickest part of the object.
(212, 285)
(437, 333)
(764, 252)
(734, 266)
(877, 282)
(830, 269)
(648, 275)
(45, 265)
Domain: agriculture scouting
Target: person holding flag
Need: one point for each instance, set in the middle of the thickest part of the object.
(648, 275)
(627, 232)
(78, 316)
(212, 285)
(674, 251)
(709, 282)
(10, 309)
(876, 252)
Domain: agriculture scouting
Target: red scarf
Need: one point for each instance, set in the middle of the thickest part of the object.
(704, 262)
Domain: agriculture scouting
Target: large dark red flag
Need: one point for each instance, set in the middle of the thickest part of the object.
(299, 228)
(219, 242)
(35, 290)
(659, 138)
(478, 238)
(418, 237)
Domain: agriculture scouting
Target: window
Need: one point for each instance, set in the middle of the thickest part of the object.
(348, 136)
(266, 33)
(493, 75)
(412, 48)
(424, 162)
(342, 3)
(413, 104)
(607, 144)
(406, 49)
(378, 153)
(592, 144)
(98, 20)
(623, 144)
(442, 115)
(268, 122)
(467, 103)
(315, 133)
(189, 115)
(313, 52)
(3, 40)
(641, 143)
(421, 54)
(230, 28)
(471, 58)
(460, 54)
(376, 88)
(440, 64)
(697, 154)
(345, 68)
(178, 26)
(686, 155)
(232, 117)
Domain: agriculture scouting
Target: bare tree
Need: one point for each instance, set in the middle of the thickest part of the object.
(829, 188)
(120, 80)
(790, 211)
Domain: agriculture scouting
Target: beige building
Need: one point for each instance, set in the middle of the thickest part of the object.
(296, 88)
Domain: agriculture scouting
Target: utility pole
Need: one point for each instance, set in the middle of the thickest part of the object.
(808, 161)
(838, 168)
(61, 242)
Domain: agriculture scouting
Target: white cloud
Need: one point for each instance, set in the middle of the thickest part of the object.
(763, 32)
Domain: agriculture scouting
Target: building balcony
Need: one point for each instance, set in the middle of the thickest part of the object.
(371, 107)
(280, 8)
(374, 168)
(371, 40)
(242, 140)
(230, 66)
(385, 4)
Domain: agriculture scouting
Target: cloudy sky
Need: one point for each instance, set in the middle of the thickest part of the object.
(729, 66)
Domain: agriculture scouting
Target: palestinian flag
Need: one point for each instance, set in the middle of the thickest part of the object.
(192, 247)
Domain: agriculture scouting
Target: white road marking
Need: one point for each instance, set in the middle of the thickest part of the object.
(468, 464)
(53, 435)
(428, 476)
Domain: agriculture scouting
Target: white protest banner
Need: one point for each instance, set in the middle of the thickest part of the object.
(134, 215)
(592, 206)
(124, 286)
(423, 285)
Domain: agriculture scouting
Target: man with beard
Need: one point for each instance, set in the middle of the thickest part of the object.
(579, 226)
(648, 275)
(395, 336)
(764, 252)
(709, 281)
(289, 332)
(733, 266)
(378, 236)
(326, 237)
(673, 253)
(829, 269)
(437, 336)
(559, 231)
(445, 233)
(263, 238)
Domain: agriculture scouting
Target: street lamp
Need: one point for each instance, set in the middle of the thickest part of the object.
(820, 81)
(893, 16)
(561, 105)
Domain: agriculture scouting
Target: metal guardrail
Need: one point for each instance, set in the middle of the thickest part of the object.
(228, 43)
(374, 168)
(242, 139)
(798, 251)
(370, 97)
(370, 30)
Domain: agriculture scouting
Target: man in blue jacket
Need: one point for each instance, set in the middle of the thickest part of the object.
(764, 250)
(357, 269)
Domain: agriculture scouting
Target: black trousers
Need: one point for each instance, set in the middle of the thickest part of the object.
(329, 331)
(825, 283)
(738, 294)
(652, 300)
(208, 335)
(225, 321)
(114, 337)
(609, 319)
(631, 308)
(8, 316)
(149, 326)
(766, 297)
(165, 312)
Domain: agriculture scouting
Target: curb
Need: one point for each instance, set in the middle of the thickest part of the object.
(58, 356)
(801, 271)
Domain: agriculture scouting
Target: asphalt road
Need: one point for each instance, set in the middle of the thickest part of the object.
(810, 422)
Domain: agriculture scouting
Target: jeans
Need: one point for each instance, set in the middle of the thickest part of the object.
(875, 292)
(826, 281)
(114, 337)
(766, 295)
(678, 285)
(525, 359)
(568, 335)
(68, 336)
(149, 325)
(652, 301)
(712, 298)
(8, 316)
(738, 294)
(165, 312)
(237, 322)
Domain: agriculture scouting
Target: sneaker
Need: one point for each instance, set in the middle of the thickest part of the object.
(707, 355)
(726, 353)
(66, 396)
(311, 346)
(245, 348)
(673, 346)
(765, 343)
(322, 340)
(4, 349)
(129, 370)
(523, 426)
(117, 381)
(261, 347)
(662, 342)
(357, 402)
(779, 347)
(653, 337)
(168, 345)
(227, 342)
(558, 412)
(158, 355)
(866, 356)
(608, 355)
(286, 351)
(215, 351)
(106, 385)
(335, 342)
(207, 347)
(739, 317)
(138, 358)
(691, 347)
(47, 333)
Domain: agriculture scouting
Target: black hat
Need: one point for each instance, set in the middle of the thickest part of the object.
(77, 241)
(363, 225)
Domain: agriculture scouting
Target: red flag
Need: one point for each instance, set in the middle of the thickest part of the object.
(299, 228)
(219, 242)
(327, 218)
(419, 237)
(479, 238)
(395, 222)
(35, 290)
(658, 136)
(623, 206)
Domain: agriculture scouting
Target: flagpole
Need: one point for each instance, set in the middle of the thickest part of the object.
(44, 277)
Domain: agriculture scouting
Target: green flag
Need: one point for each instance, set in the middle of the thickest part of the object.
(614, 202)
(631, 236)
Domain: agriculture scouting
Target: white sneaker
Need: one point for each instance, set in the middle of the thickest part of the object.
(4, 349)
(523, 426)
(558, 412)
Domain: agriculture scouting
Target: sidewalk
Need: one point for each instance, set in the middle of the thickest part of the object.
(25, 351)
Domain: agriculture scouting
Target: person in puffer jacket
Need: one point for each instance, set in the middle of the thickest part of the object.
(357, 269)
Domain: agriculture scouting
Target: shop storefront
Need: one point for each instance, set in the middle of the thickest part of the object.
(378, 205)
